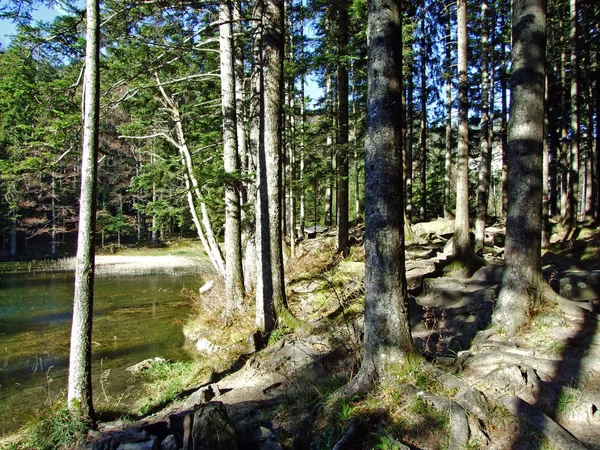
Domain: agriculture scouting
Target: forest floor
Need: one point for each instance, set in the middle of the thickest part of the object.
(470, 387)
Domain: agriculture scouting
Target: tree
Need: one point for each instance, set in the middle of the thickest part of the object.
(463, 251)
(234, 278)
(80, 358)
(387, 329)
(270, 287)
(484, 167)
(342, 136)
(522, 281)
(448, 103)
(570, 215)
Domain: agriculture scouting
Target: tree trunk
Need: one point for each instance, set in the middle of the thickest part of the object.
(270, 289)
(13, 234)
(462, 243)
(409, 149)
(423, 125)
(564, 147)
(329, 148)
(522, 280)
(504, 121)
(546, 228)
(211, 246)
(448, 91)
(343, 244)
(234, 277)
(570, 218)
(486, 154)
(79, 396)
(387, 329)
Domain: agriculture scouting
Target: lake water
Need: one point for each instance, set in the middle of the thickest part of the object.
(134, 318)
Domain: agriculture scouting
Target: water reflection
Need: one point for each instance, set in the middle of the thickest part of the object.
(134, 318)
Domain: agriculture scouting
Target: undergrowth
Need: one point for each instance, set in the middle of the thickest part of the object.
(54, 428)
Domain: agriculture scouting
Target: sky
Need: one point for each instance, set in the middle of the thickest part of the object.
(42, 13)
(8, 28)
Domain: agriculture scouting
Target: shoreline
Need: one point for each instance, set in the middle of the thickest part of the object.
(116, 265)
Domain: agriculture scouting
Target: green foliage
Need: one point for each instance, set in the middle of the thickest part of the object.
(54, 428)
(164, 381)
(567, 398)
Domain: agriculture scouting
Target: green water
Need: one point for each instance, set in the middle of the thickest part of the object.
(134, 318)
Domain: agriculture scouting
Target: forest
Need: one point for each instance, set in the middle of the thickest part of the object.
(251, 125)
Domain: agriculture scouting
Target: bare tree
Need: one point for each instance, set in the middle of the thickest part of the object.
(79, 395)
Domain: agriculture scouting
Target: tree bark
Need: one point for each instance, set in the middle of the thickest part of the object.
(486, 156)
(328, 220)
(409, 149)
(234, 277)
(343, 244)
(79, 395)
(270, 288)
(423, 125)
(570, 218)
(448, 99)
(522, 282)
(387, 329)
(504, 120)
(462, 243)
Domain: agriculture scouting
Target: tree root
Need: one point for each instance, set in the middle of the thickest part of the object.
(532, 417)
(459, 422)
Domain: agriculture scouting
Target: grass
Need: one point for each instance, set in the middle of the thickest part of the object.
(55, 428)
(163, 382)
(567, 399)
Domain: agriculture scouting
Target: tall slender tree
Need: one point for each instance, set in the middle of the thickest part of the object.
(270, 288)
(570, 216)
(79, 396)
(234, 278)
(522, 282)
(387, 329)
(463, 251)
(342, 135)
(485, 160)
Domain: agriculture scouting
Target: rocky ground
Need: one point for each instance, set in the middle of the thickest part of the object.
(474, 388)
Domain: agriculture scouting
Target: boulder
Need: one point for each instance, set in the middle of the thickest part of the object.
(213, 429)
(145, 365)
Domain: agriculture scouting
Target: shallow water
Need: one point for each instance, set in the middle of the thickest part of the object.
(134, 318)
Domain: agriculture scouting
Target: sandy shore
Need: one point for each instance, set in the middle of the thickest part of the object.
(145, 265)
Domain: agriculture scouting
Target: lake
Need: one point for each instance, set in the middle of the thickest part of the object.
(135, 318)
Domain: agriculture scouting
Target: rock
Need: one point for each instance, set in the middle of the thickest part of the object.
(538, 421)
(203, 395)
(145, 365)
(150, 444)
(205, 346)
(122, 441)
(473, 401)
(264, 439)
(439, 227)
(213, 429)
(169, 443)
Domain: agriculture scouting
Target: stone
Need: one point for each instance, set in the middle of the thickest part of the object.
(212, 428)
(145, 365)
(205, 346)
(150, 444)
(265, 439)
(473, 401)
(203, 395)
(169, 443)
